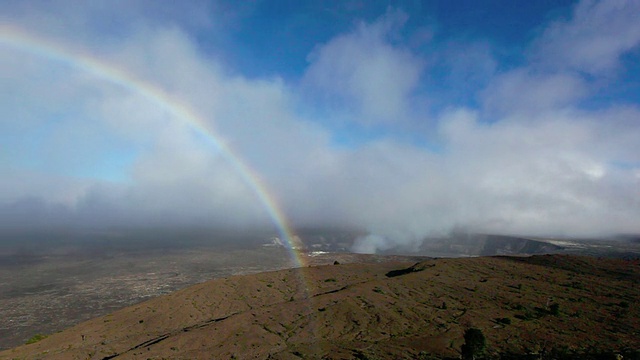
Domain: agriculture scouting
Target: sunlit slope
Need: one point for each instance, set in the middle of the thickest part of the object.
(386, 310)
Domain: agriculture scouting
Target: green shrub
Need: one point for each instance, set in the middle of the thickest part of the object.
(474, 344)
(624, 304)
(35, 338)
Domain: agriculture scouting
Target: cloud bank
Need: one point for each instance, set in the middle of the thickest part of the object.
(529, 157)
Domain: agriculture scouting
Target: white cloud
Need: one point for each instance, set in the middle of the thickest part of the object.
(593, 39)
(469, 64)
(367, 72)
(96, 24)
(538, 177)
(523, 91)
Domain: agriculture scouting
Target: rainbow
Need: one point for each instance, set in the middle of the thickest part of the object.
(20, 40)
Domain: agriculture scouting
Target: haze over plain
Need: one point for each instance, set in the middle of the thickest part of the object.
(407, 120)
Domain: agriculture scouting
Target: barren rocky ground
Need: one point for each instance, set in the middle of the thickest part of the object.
(375, 310)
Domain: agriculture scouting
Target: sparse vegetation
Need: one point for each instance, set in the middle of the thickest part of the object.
(423, 355)
(35, 338)
(411, 309)
(575, 285)
(517, 286)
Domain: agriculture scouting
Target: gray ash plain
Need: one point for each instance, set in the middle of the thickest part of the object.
(45, 288)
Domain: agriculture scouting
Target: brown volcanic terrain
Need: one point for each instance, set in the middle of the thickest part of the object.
(375, 310)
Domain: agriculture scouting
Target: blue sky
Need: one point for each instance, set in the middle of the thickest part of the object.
(297, 27)
(406, 118)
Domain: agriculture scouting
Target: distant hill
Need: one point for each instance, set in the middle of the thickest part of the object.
(463, 244)
(384, 310)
